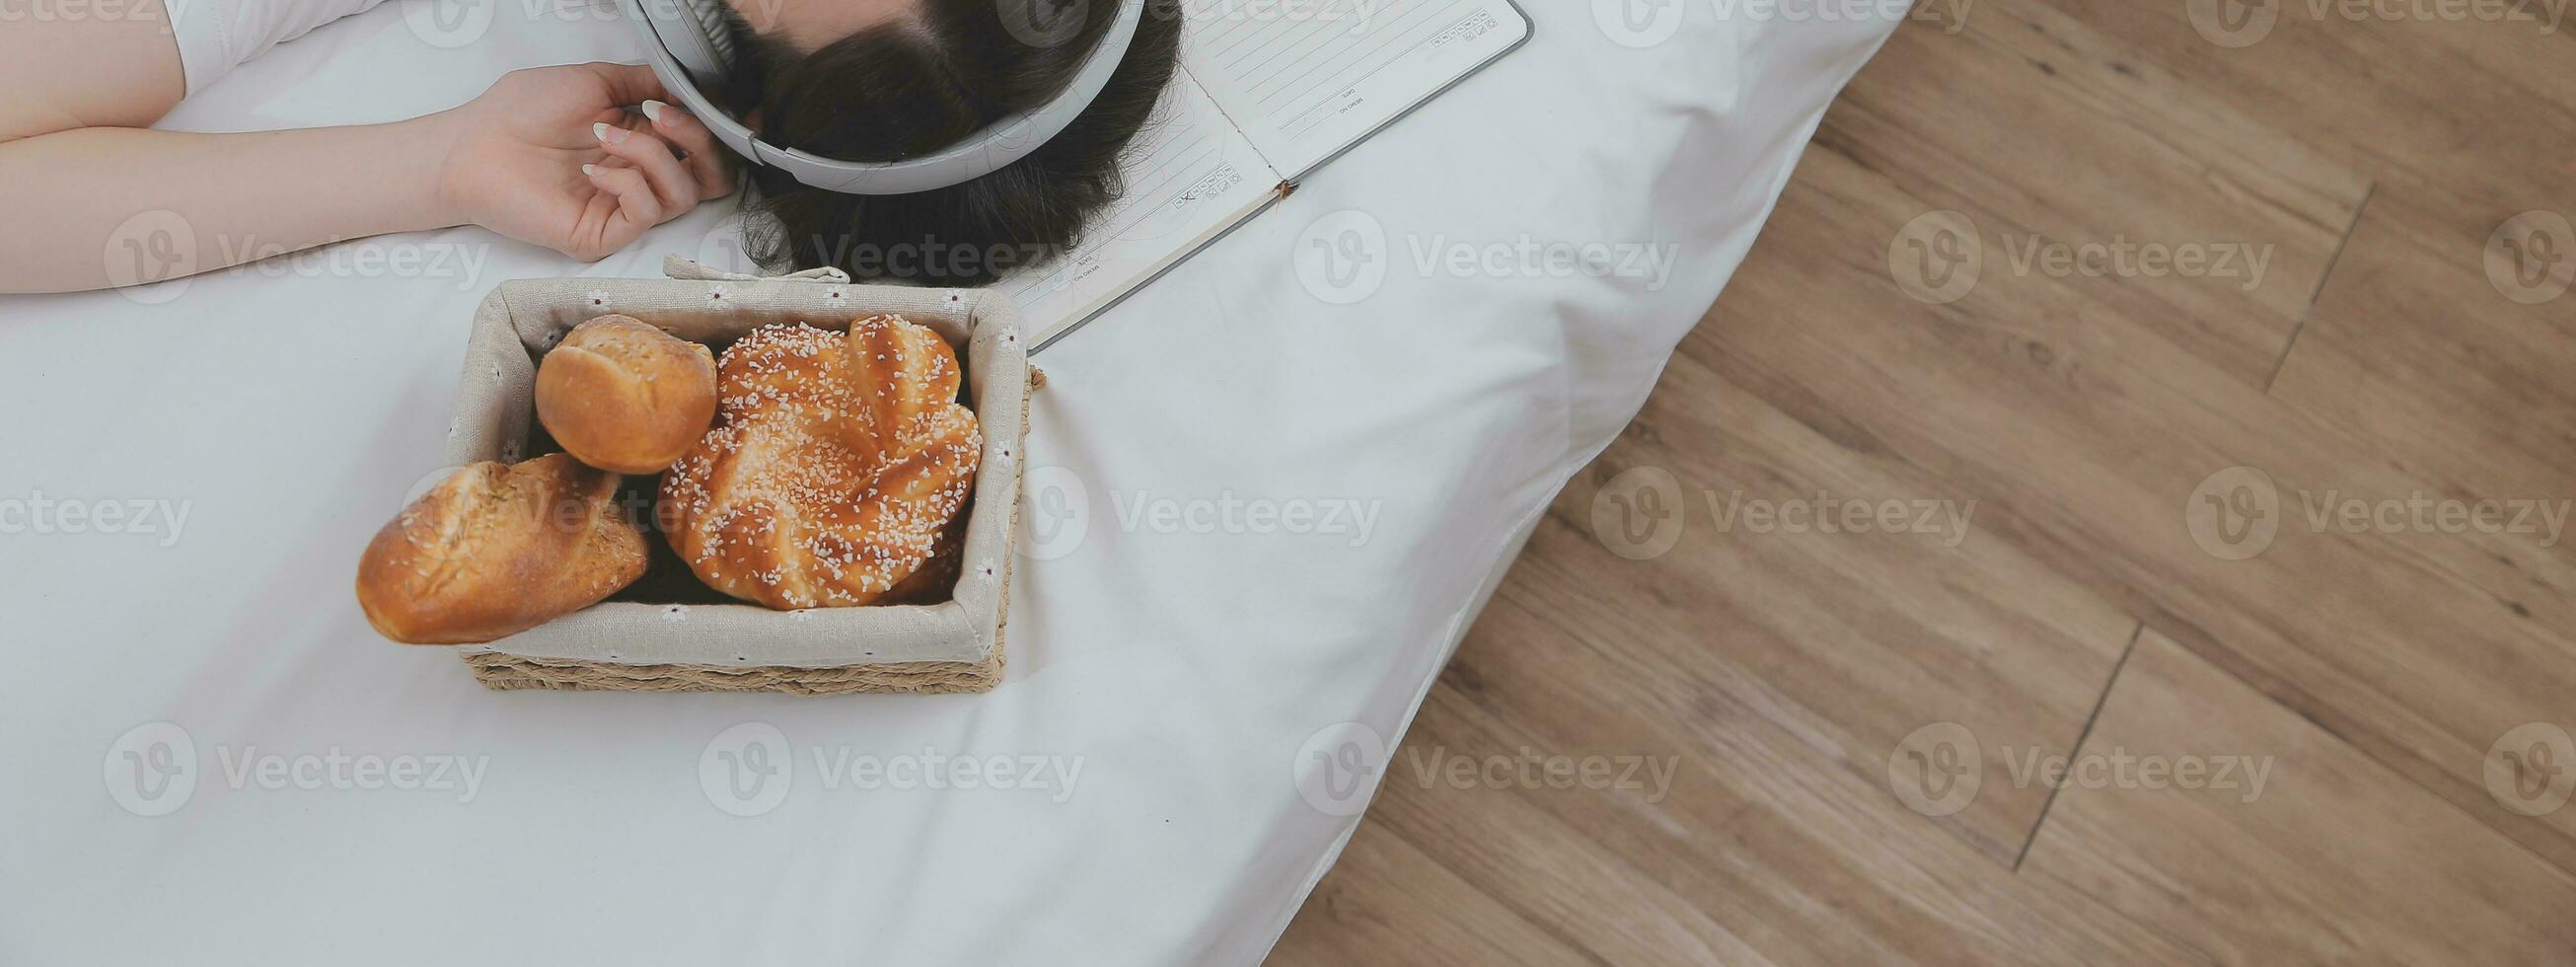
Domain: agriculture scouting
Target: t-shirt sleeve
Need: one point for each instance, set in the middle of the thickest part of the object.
(216, 36)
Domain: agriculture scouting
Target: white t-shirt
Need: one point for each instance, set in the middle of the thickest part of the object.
(216, 36)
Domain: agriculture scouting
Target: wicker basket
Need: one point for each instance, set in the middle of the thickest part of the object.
(710, 644)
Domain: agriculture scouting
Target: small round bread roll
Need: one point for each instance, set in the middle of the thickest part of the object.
(495, 550)
(624, 396)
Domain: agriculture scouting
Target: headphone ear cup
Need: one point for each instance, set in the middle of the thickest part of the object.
(709, 18)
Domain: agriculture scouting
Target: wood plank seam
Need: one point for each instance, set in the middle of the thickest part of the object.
(2108, 683)
(2334, 259)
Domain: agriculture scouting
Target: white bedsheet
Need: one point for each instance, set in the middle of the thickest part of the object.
(286, 409)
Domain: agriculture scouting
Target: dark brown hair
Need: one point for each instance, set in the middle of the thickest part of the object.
(921, 84)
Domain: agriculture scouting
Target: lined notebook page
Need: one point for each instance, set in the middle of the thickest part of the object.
(1305, 80)
(1190, 176)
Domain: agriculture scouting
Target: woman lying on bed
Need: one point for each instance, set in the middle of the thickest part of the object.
(581, 159)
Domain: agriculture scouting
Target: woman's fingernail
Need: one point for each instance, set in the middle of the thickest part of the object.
(608, 134)
(653, 111)
(591, 170)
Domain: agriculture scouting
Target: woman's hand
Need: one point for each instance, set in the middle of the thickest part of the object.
(551, 155)
(512, 160)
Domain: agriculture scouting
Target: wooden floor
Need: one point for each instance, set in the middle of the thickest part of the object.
(2226, 528)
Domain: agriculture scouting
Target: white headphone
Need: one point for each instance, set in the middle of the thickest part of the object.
(689, 43)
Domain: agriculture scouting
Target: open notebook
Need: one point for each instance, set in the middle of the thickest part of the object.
(1268, 91)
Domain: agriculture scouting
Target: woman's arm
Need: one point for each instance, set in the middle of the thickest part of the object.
(117, 69)
(94, 202)
(104, 207)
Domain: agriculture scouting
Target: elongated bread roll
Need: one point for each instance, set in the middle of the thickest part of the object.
(622, 395)
(495, 550)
